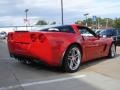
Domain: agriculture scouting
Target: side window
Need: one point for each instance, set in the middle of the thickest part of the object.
(85, 31)
(66, 29)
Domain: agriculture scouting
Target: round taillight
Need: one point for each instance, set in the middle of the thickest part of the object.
(42, 38)
(33, 37)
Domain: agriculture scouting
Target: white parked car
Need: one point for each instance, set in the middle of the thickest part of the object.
(3, 35)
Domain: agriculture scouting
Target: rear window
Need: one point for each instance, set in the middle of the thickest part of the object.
(68, 29)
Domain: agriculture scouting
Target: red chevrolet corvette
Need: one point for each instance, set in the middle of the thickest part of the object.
(67, 46)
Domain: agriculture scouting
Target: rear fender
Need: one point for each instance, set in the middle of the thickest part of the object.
(63, 54)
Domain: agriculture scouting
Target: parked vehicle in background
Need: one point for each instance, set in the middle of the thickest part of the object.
(66, 46)
(3, 35)
(97, 31)
(112, 33)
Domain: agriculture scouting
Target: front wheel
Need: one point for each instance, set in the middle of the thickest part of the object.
(72, 59)
(112, 51)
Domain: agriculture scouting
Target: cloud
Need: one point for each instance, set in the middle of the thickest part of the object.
(12, 11)
(16, 21)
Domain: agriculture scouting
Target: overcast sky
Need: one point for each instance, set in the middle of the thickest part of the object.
(12, 11)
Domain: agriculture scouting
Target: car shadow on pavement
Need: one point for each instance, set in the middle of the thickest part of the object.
(40, 66)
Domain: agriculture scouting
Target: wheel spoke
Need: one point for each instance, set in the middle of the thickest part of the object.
(69, 57)
(73, 53)
(71, 64)
(76, 56)
(75, 62)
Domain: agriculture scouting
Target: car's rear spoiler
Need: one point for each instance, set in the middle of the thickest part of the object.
(21, 31)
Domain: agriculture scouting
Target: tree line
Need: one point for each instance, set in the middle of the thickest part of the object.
(98, 23)
(43, 22)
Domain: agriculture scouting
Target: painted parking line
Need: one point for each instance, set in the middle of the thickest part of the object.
(5, 59)
(43, 82)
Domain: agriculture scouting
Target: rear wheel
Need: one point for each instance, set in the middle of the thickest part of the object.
(72, 59)
(112, 51)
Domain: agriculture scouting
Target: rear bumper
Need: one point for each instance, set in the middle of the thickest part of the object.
(34, 51)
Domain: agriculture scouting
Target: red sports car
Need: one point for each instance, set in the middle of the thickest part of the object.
(67, 46)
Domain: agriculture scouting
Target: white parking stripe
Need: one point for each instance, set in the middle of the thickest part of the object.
(6, 58)
(42, 82)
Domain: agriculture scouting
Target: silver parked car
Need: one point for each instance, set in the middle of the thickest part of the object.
(3, 35)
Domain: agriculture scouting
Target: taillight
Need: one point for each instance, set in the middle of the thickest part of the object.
(41, 38)
(33, 37)
(10, 36)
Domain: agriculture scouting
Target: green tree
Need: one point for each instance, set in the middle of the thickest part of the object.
(89, 21)
(78, 22)
(99, 23)
(116, 23)
(53, 23)
(41, 22)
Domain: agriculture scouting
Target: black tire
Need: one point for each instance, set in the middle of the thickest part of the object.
(71, 63)
(112, 51)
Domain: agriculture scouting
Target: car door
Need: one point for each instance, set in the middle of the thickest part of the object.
(92, 45)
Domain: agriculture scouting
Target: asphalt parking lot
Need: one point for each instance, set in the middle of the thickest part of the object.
(102, 74)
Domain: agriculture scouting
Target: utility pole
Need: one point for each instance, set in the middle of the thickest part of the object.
(106, 23)
(94, 21)
(86, 14)
(26, 16)
(62, 20)
(98, 23)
